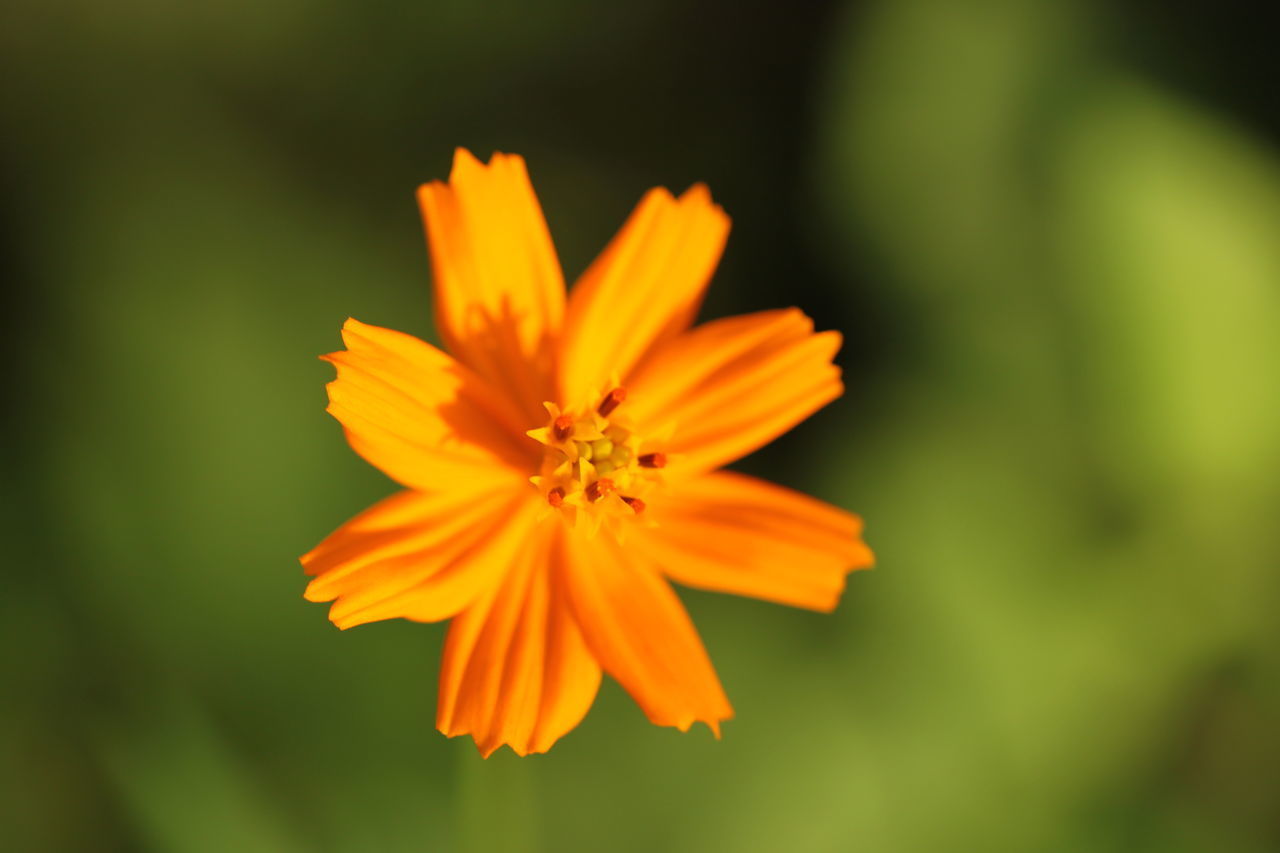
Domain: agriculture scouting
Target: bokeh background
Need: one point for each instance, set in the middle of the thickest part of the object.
(1049, 230)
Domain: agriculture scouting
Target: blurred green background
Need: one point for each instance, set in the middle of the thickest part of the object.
(1049, 231)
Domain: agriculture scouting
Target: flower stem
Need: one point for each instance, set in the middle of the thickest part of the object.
(497, 806)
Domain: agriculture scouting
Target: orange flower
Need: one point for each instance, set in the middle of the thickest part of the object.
(561, 465)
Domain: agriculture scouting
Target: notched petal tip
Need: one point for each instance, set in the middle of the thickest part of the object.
(697, 191)
(431, 193)
(863, 557)
(312, 594)
(467, 166)
(463, 160)
(699, 194)
(351, 327)
(487, 747)
(660, 195)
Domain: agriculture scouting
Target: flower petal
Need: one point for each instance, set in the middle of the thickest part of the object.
(728, 532)
(418, 556)
(645, 287)
(419, 416)
(733, 385)
(636, 627)
(498, 285)
(516, 670)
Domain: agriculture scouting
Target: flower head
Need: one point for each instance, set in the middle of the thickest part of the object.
(561, 463)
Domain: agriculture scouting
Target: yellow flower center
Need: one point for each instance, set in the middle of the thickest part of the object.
(595, 468)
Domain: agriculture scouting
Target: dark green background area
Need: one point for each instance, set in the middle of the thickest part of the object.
(1049, 232)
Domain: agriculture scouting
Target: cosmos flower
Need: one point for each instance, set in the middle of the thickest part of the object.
(561, 463)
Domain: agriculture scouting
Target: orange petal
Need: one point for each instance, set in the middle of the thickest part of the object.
(516, 670)
(498, 285)
(418, 556)
(728, 532)
(645, 287)
(421, 417)
(735, 384)
(636, 627)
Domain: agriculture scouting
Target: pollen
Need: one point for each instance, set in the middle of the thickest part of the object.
(562, 428)
(611, 401)
(600, 488)
(653, 460)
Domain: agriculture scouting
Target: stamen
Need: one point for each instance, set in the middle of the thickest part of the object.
(588, 447)
(653, 460)
(600, 488)
(611, 401)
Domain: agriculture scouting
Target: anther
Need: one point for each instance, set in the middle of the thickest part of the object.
(611, 401)
(555, 497)
(653, 460)
(562, 427)
(637, 505)
(600, 488)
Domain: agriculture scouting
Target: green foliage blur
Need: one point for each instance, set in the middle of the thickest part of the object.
(1050, 232)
